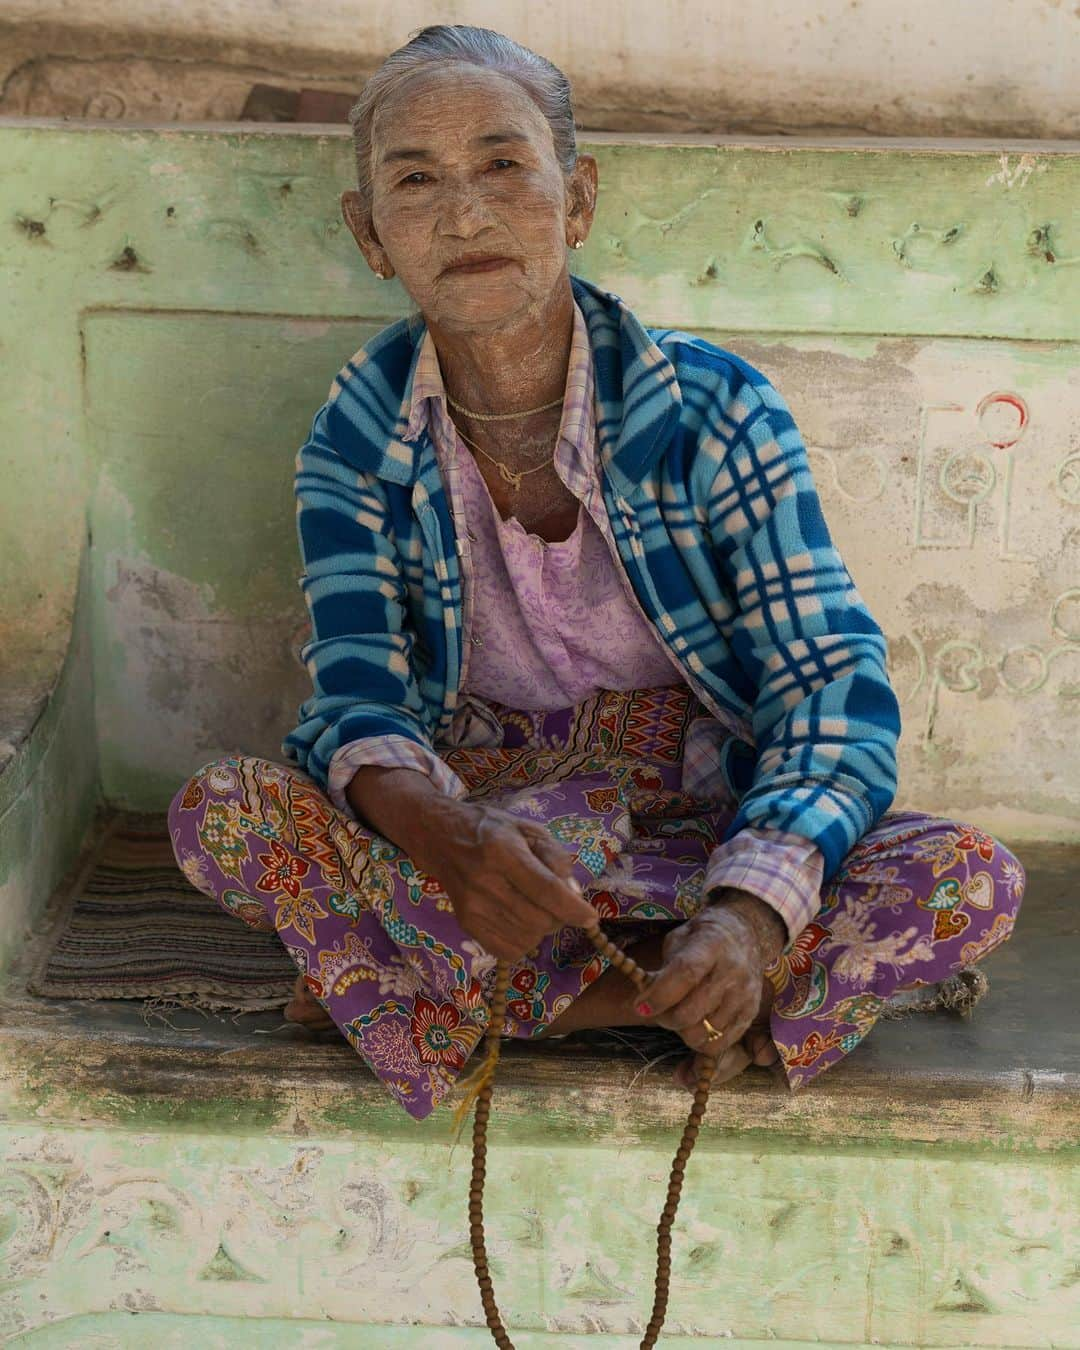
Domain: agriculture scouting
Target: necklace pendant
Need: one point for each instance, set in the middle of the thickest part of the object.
(508, 476)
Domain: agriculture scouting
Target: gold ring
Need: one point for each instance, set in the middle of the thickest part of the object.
(714, 1035)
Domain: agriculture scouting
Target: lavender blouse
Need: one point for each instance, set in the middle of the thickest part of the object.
(547, 625)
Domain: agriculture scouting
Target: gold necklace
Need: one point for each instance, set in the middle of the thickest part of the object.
(507, 475)
(502, 417)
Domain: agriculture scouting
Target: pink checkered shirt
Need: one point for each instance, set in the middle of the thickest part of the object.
(784, 870)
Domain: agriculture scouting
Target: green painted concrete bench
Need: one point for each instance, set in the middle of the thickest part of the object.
(177, 303)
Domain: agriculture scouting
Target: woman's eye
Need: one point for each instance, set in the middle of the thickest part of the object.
(508, 162)
(412, 178)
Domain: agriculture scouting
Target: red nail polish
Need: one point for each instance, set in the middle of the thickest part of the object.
(644, 1009)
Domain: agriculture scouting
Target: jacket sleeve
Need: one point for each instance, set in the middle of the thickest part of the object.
(825, 718)
(360, 652)
(392, 752)
(782, 869)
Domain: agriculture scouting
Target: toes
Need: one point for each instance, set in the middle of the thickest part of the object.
(761, 1046)
(308, 1013)
(730, 1064)
(756, 1047)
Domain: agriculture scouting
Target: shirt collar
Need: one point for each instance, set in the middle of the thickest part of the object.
(428, 407)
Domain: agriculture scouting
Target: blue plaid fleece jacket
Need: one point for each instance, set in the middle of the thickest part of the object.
(718, 525)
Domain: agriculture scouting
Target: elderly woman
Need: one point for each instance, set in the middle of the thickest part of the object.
(580, 642)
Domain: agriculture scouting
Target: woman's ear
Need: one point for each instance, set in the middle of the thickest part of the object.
(358, 218)
(581, 198)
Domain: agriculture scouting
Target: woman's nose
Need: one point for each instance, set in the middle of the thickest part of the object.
(461, 210)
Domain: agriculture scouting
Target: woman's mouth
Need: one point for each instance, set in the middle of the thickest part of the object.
(480, 265)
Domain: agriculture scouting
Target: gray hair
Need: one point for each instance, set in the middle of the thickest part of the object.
(543, 81)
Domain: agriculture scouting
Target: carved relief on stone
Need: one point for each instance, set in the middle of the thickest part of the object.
(137, 88)
(366, 1229)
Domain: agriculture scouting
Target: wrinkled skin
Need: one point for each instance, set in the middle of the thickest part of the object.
(494, 331)
(503, 336)
(481, 176)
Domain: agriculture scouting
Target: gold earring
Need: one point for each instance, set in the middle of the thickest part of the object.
(579, 243)
(380, 276)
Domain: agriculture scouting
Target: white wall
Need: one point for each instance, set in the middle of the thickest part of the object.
(962, 68)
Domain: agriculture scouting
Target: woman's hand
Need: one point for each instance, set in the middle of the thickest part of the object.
(509, 881)
(714, 966)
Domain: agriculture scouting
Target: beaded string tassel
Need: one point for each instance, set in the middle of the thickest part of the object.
(479, 1090)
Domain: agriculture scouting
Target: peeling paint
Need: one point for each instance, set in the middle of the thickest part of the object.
(1017, 175)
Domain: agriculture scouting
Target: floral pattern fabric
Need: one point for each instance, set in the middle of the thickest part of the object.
(380, 948)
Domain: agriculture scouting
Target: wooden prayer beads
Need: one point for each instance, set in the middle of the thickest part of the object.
(639, 977)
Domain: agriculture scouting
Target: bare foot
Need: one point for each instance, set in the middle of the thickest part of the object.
(758, 1038)
(756, 1046)
(730, 1064)
(760, 1045)
(305, 1008)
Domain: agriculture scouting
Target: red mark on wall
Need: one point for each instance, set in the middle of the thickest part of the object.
(1002, 418)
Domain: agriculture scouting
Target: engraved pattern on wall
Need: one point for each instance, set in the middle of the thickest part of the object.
(360, 1232)
(949, 470)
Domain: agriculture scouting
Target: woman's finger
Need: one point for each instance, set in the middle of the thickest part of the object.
(552, 854)
(704, 960)
(731, 1025)
(683, 970)
(506, 922)
(712, 998)
(560, 897)
(761, 1047)
(531, 829)
(732, 988)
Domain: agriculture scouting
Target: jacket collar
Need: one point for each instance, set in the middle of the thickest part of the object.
(637, 396)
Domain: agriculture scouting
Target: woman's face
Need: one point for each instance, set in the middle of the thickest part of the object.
(463, 162)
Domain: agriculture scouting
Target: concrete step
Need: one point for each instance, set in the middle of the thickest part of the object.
(961, 1062)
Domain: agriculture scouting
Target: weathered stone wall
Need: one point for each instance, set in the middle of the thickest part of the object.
(114, 1235)
(179, 302)
(818, 67)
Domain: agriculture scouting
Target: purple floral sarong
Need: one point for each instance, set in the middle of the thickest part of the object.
(380, 948)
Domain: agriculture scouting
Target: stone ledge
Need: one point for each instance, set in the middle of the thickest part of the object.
(555, 1093)
(1007, 1077)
